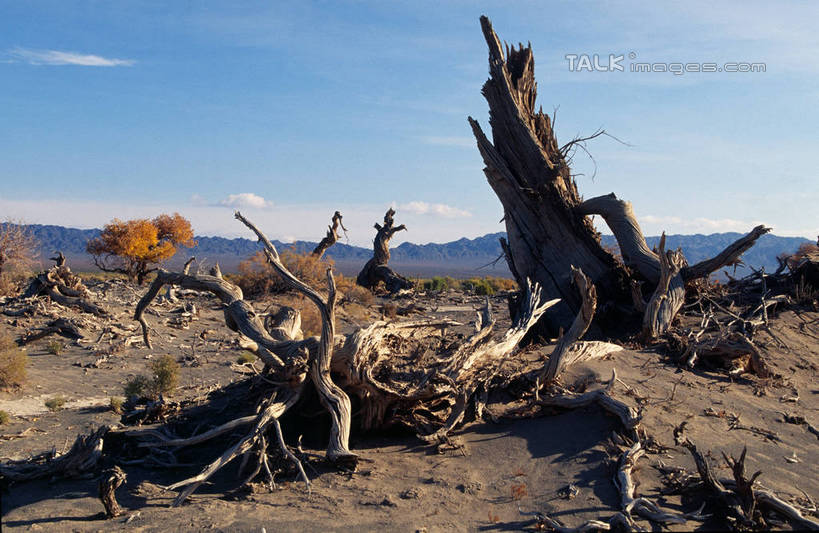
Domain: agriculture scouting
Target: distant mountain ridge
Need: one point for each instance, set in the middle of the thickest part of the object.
(463, 256)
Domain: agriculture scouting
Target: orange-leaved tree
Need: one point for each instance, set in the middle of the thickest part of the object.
(132, 246)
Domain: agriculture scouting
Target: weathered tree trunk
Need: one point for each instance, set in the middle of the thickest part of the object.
(332, 236)
(376, 269)
(547, 225)
(530, 175)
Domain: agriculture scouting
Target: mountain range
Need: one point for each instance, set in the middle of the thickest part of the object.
(461, 258)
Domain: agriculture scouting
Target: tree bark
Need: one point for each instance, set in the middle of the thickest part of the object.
(549, 232)
(377, 270)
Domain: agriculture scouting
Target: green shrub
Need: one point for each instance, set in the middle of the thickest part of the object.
(480, 286)
(164, 379)
(4, 418)
(12, 363)
(55, 347)
(55, 404)
(245, 357)
(166, 375)
(438, 284)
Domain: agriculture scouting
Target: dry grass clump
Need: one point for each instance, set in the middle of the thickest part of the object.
(54, 347)
(116, 403)
(56, 403)
(350, 291)
(12, 363)
(163, 380)
(4, 417)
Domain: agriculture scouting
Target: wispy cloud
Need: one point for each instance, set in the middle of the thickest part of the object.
(59, 57)
(245, 200)
(461, 142)
(672, 224)
(441, 210)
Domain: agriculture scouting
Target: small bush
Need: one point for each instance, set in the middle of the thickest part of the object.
(12, 363)
(55, 347)
(164, 379)
(257, 278)
(137, 387)
(479, 286)
(353, 292)
(4, 418)
(245, 358)
(438, 284)
(116, 404)
(55, 404)
(165, 375)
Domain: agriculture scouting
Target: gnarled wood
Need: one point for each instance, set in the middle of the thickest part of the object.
(110, 480)
(376, 269)
(669, 295)
(531, 177)
(332, 236)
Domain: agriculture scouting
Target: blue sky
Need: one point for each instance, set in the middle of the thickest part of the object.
(290, 111)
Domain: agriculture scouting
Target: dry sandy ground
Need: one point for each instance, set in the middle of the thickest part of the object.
(403, 484)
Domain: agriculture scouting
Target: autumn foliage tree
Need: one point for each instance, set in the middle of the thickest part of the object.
(131, 247)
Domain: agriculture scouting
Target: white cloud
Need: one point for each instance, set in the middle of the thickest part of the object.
(654, 225)
(442, 210)
(57, 57)
(246, 200)
(461, 142)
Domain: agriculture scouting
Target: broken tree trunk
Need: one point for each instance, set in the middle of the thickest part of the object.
(376, 269)
(332, 236)
(530, 175)
(546, 220)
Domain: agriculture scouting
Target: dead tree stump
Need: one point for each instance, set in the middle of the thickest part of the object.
(547, 225)
(376, 269)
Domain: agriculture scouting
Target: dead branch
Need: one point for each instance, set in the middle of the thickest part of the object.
(332, 236)
(557, 361)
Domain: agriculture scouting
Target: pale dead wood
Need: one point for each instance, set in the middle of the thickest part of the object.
(669, 295)
(82, 458)
(557, 361)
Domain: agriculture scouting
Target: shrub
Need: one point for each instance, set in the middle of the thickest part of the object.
(480, 286)
(438, 284)
(116, 404)
(245, 357)
(55, 347)
(4, 418)
(350, 291)
(165, 375)
(164, 379)
(55, 404)
(137, 387)
(12, 363)
(256, 277)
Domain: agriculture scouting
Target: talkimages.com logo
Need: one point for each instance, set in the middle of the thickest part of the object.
(629, 63)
